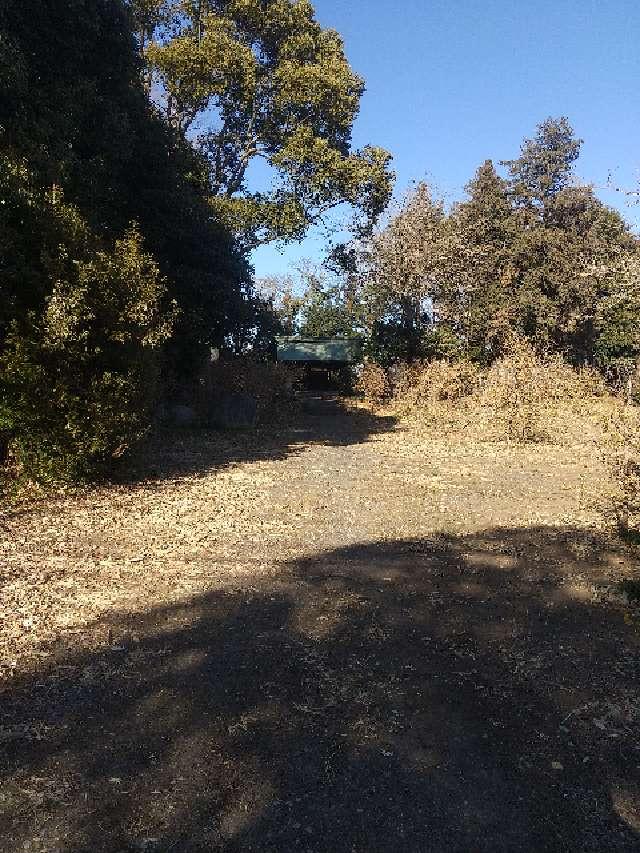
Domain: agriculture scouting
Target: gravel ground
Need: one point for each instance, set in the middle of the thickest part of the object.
(337, 636)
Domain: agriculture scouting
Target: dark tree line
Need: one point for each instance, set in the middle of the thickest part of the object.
(530, 251)
(110, 260)
(121, 260)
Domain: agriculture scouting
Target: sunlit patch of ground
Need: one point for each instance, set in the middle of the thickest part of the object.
(348, 636)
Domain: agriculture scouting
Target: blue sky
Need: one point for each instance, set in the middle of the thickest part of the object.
(453, 82)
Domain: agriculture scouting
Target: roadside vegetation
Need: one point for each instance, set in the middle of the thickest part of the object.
(520, 397)
(124, 231)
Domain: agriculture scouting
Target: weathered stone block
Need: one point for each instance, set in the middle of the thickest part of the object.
(234, 411)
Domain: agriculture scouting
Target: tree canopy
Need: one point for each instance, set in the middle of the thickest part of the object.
(312, 302)
(112, 265)
(250, 80)
(533, 252)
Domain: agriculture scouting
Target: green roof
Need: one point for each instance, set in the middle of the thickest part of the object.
(301, 349)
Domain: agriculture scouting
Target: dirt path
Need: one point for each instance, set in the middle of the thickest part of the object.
(340, 637)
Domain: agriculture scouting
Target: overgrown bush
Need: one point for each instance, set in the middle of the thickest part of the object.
(526, 392)
(274, 386)
(518, 387)
(622, 452)
(521, 397)
(78, 379)
(436, 381)
(374, 384)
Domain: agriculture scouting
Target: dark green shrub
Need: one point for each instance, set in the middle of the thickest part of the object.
(78, 379)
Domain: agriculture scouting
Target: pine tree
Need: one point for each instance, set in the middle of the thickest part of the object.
(485, 228)
(545, 164)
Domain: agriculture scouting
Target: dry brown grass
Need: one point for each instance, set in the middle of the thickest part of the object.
(520, 398)
(274, 386)
(621, 449)
(374, 384)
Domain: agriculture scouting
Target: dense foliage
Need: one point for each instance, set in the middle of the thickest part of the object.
(253, 80)
(107, 243)
(533, 252)
(311, 302)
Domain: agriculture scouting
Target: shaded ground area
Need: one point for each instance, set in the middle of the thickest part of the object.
(320, 421)
(300, 673)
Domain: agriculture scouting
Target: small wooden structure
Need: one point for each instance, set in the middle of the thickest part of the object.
(325, 360)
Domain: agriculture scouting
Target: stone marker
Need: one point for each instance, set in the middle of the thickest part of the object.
(234, 411)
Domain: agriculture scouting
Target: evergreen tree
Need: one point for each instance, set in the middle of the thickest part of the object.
(483, 300)
(537, 254)
(104, 227)
(403, 272)
(565, 242)
(249, 79)
(545, 164)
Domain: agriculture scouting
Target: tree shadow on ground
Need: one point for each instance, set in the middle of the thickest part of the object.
(171, 454)
(453, 694)
(323, 419)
